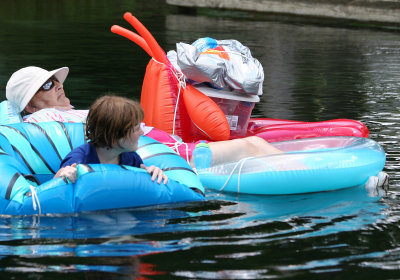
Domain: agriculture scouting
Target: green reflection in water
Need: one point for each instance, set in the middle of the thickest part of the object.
(51, 34)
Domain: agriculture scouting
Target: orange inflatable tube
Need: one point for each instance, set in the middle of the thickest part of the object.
(133, 37)
(201, 112)
(158, 52)
(159, 95)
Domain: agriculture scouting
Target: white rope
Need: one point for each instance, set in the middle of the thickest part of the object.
(180, 77)
(35, 199)
(182, 83)
(240, 171)
(175, 146)
(241, 162)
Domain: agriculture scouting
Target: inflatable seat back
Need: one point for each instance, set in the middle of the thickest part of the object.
(39, 148)
(30, 154)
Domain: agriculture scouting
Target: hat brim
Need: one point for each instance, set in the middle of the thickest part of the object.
(60, 73)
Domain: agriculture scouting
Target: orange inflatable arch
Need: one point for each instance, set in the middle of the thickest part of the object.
(168, 102)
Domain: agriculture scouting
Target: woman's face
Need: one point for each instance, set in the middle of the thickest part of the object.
(54, 97)
(130, 142)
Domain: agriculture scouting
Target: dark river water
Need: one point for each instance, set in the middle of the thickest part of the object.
(312, 72)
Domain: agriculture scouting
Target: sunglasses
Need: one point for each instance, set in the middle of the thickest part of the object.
(49, 84)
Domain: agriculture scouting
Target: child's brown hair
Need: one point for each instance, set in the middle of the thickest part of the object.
(111, 118)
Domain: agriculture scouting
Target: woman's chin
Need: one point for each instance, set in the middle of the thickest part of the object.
(63, 107)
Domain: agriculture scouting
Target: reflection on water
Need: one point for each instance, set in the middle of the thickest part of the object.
(312, 73)
(252, 224)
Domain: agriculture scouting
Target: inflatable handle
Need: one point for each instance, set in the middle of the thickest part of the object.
(133, 37)
(206, 115)
(158, 52)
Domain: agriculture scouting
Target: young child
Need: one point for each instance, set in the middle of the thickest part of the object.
(113, 128)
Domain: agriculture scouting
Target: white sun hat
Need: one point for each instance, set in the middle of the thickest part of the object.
(24, 84)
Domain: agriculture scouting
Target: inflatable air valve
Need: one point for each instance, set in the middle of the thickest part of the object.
(202, 155)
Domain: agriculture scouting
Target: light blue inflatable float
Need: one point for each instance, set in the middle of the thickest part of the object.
(306, 166)
(30, 155)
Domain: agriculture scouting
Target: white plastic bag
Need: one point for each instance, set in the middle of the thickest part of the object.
(224, 64)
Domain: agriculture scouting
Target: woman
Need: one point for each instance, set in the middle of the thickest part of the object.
(113, 128)
(40, 96)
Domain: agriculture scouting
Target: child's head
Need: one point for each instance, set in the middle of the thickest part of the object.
(111, 118)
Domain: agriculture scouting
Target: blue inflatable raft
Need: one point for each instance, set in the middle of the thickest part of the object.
(30, 155)
(307, 165)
